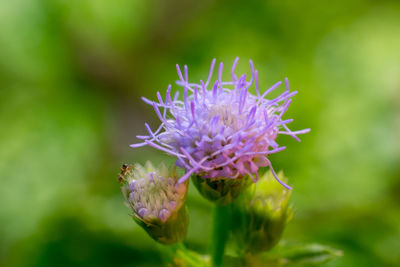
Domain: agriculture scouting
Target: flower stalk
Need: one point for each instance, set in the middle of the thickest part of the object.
(221, 226)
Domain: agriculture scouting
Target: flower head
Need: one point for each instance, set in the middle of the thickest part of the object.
(220, 130)
(157, 201)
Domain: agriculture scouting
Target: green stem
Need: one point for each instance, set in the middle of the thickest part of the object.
(191, 258)
(220, 233)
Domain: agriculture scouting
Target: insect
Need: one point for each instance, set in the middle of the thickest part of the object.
(124, 169)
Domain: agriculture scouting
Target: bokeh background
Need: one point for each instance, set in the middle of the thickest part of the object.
(71, 77)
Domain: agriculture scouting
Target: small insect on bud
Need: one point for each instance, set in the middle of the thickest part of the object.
(157, 201)
(125, 169)
(261, 216)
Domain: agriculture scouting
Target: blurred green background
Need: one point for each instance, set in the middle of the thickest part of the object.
(71, 77)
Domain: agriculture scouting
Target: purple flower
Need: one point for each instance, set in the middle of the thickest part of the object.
(219, 129)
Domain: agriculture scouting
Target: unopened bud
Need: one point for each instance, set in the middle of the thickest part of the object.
(261, 216)
(157, 201)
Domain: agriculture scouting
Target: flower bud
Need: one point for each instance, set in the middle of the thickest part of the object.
(157, 201)
(261, 216)
(222, 191)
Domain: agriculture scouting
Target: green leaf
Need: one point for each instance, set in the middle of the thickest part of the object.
(309, 255)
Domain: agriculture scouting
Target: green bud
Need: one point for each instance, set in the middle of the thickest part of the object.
(261, 215)
(157, 200)
(222, 191)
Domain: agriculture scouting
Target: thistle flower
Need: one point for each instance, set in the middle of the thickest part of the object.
(223, 132)
(262, 215)
(157, 201)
